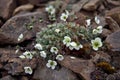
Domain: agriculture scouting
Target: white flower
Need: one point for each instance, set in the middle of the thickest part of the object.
(79, 46)
(49, 26)
(98, 30)
(33, 52)
(38, 46)
(57, 30)
(97, 20)
(28, 70)
(64, 16)
(51, 64)
(54, 50)
(20, 37)
(28, 55)
(88, 21)
(72, 45)
(60, 57)
(95, 31)
(67, 13)
(72, 57)
(17, 51)
(43, 54)
(50, 9)
(96, 43)
(31, 26)
(67, 41)
(22, 56)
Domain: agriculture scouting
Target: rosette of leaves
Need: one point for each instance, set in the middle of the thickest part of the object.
(48, 37)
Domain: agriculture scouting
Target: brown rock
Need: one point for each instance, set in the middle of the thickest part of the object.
(113, 41)
(115, 14)
(116, 62)
(112, 24)
(73, 1)
(101, 56)
(1, 23)
(114, 2)
(21, 2)
(80, 66)
(24, 78)
(106, 32)
(13, 64)
(26, 7)
(101, 9)
(78, 6)
(1, 65)
(44, 73)
(92, 5)
(11, 30)
(7, 78)
(79, 20)
(6, 8)
(37, 2)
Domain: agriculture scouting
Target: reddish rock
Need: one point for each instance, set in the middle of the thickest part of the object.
(115, 14)
(92, 5)
(80, 66)
(11, 30)
(113, 41)
(6, 8)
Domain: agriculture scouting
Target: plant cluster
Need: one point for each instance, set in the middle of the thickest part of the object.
(52, 41)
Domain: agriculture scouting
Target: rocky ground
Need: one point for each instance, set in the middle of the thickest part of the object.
(16, 15)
